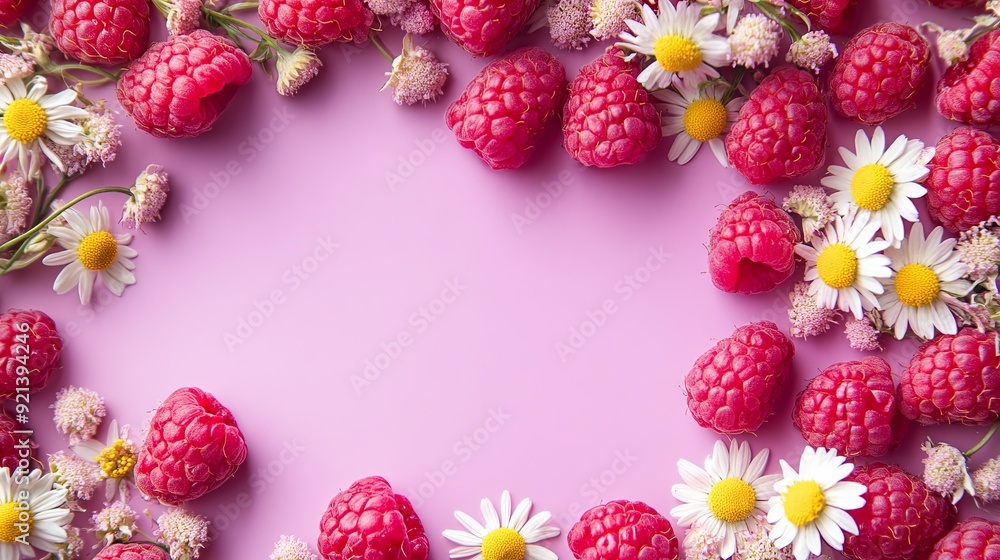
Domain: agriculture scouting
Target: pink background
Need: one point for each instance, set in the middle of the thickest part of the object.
(607, 421)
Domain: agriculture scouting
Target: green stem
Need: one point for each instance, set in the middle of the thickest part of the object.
(240, 6)
(735, 84)
(772, 13)
(40, 193)
(62, 69)
(982, 442)
(40, 225)
(381, 48)
(63, 181)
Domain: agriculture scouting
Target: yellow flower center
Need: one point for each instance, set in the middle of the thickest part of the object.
(705, 119)
(803, 502)
(25, 120)
(837, 265)
(732, 500)
(98, 250)
(871, 186)
(117, 460)
(917, 285)
(14, 522)
(676, 53)
(503, 544)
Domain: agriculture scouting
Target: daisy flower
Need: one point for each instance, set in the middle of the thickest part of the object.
(925, 273)
(116, 459)
(47, 514)
(507, 536)
(28, 114)
(696, 116)
(812, 503)
(880, 182)
(727, 495)
(681, 42)
(844, 265)
(91, 251)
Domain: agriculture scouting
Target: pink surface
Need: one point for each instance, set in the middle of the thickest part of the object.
(335, 230)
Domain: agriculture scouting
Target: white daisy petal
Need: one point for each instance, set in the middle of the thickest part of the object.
(530, 530)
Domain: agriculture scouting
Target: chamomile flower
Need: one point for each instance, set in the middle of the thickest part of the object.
(681, 42)
(697, 116)
(926, 271)
(812, 504)
(116, 459)
(880, 182)
(844, 265)
(507, 536)
(91, 251)
(42, 525)
(727, 495)
(27, 115)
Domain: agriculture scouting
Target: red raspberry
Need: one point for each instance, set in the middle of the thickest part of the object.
(963, 188)
(29, 346)
(482, 27)
(504, 109)
(9, 454)
(969, 91)
(751, 249)
(953, 4)
(953, 378)
(828, 15)
(781, 129)
(178, 88)
(11, 11)
(369, 521)
(973, 539)
(193, 446)
(313, 23)
(609, 118)
(623, 530)
(879, 73)
(851, 407)
(104, 32)
(901, 518)
(733, 386)
(132, 551)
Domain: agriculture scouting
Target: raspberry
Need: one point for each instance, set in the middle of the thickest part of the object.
(105, 32)
(751, 249)
(953, 4)
(505, 108)
(132, 551)
(901, 518)
(781, 129)
(29, 346)
(963, 188)
(312, 23)
(969, 91)
(973, 539)
(851, 407)
(733, 386)
(953, 378)
(828, 15)
(369, 521)
(9, 454)
(482, 27)
(623, 530)
(11, 11)
(609, 118)
(178, 88)
(192, 446)
(879, 73)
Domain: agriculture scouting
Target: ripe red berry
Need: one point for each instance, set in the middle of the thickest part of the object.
(505, 108)
(751, 249)
(313, 23)
(623, 530)
(973, 539)
(828, 15)
(102, 32)
(969, 91)
(609, 118)
(879, 73)
(30, 347)
(482, 27)
(953, 4)
(963, 188)
(732, 387)
(369, 521)
(11, 11)
(178, 88)
(132, 551)
(781, 129)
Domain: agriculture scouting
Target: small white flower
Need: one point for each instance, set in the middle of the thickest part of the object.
(47, 512)
(296, 69)
(116, 522)
(291, 548)
(78, 413)
(28, 114)
(754, 41)
(510, 535)
(946, 472)
(417, 75)
(185, 533)
(116, 459)
(695, 116)
(812, 51)
(609, 17)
